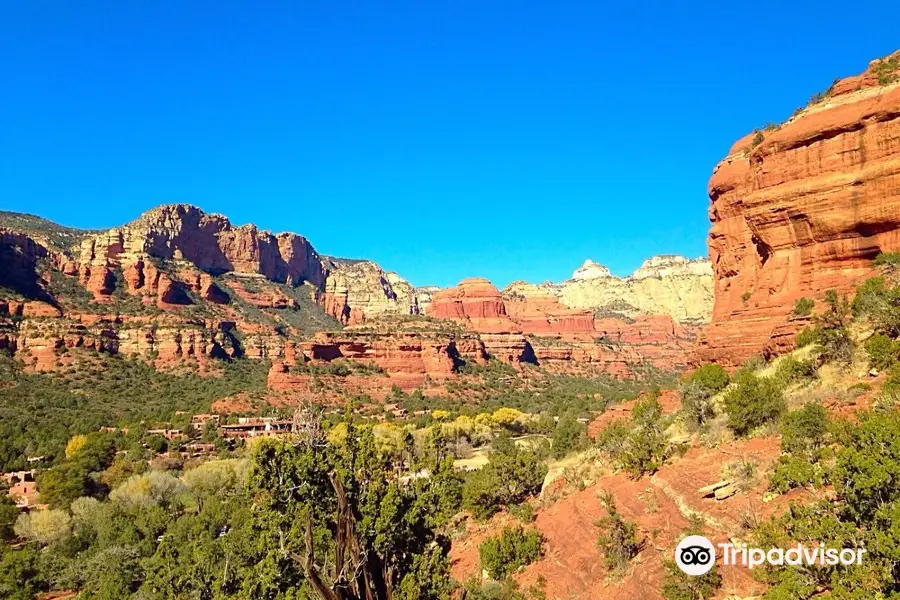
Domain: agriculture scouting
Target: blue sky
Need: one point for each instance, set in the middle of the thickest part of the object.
(509, 140)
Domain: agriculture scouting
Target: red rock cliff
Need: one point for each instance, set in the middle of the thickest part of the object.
(802, 208)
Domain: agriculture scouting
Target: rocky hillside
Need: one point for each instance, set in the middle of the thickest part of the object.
(179, 287)
(664, 285)
(538, 328)
(802, 207)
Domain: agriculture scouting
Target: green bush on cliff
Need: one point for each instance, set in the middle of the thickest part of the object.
(697, 390)
(791, 369)
(805, 437)
(883, 351)
(515, 547)
(618, 539)
(887, 70)
(879, 303)
(512, 475)
(639, 446)
(803, 307)
(711, 378)
(569, 435)
(833, 336)
(753, 402)
(863, 512)
(807, 336)
(887, 259)
(678, 585)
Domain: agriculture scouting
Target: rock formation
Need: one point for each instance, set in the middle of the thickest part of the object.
(357, 289)
(535, 327)
(801, 208)
(663, 285)
(177, 284)
(209, 242)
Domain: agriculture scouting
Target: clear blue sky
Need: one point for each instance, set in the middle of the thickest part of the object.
(442, 139)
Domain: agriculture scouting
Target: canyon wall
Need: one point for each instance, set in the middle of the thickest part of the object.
(664, 285)
(179, 285)
(536, 327)
(800, 208)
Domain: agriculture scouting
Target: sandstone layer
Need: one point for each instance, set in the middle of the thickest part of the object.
(799, 209)
(664, 285)
(179, 285)
(535, 327)
(358, 289)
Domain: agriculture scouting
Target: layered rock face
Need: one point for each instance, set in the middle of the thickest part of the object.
(663, 285)
(178, 284)
(406, 358)
(357, 289)
(209, 242)
(800, 209)
(477, 305)
(534, 327)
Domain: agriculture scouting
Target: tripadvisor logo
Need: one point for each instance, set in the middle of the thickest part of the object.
(696, 555)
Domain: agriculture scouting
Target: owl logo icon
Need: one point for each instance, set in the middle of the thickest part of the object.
(695, 555)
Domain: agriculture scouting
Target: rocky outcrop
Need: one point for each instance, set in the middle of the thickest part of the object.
(663, 285)
(172, 275)
(407, 359)
(180, 232)
(799, 209)
(542, 314)
(476, 303)
(358, 289)
(535, 327)
(19, 257)
(478, 306)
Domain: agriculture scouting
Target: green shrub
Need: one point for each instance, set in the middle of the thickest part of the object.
(882, 350)
(880, 304)
(618, 540)
(834, 338)
(511, 476)
(891, 386)
(641, 446)
(752, 403)
(887, 259)
(791, 369)
(503, 555)
(697, 391)
(794, 472)
(678, 585)
(712, 378)
(9, 512)
(745, 296)
(803, 307)
(886, 70)
(697, 407)
(757, 139)
(569, 435)
(754, 363)
(613, 438)
(807, 336)
(862, 512)
(523, 512)
(866, 474)
(508, 589)
(804, 432)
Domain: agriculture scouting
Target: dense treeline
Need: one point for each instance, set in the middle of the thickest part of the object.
(39, 412)
(315, 515)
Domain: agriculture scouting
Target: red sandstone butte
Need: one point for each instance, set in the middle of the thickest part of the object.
(804, 210)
